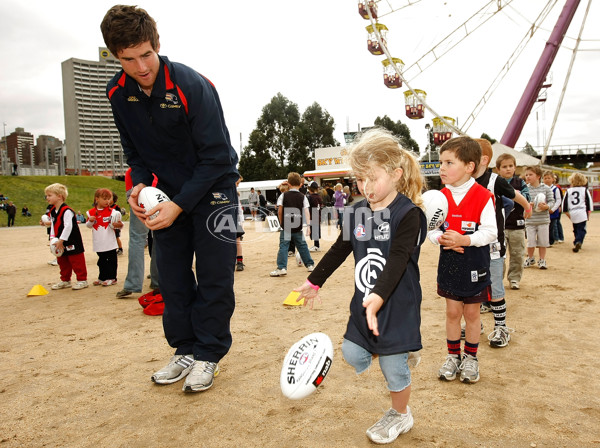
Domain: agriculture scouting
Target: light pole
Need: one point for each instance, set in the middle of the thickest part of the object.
(427, 148)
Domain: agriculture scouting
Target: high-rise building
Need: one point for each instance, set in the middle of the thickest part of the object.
(92, 139)
(19, 147)
(47, 150)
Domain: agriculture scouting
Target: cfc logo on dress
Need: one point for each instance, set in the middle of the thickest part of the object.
(367, 270)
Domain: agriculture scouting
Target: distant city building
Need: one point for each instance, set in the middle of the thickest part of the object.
(47, 149)
(92, 139)
(19, 147)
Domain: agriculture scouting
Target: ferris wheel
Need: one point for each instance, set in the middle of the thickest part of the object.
(398, 74)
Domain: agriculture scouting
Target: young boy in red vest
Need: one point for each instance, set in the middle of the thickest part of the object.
(64, 227)
(464, 265)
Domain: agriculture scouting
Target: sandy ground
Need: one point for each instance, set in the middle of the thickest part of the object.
(75, 365)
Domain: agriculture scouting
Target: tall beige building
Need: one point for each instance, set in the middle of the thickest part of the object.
(92, 139)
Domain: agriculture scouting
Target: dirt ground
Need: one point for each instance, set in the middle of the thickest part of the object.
(76, 365)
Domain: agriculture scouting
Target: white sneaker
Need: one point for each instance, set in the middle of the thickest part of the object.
(278, 272)
(53, 262)
(201, 376)
(469, 369)
(179, 366)
(529, 262)
(298, 259)
(310, 268)
(61, 285)
(80, 285)
(315, 249)
(391, 425)
(514, 284)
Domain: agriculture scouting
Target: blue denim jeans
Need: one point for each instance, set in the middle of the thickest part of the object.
(301, 246)
(135, 257)
(394, 367)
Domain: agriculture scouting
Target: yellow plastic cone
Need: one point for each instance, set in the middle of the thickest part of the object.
(37, 290)
(291, 299)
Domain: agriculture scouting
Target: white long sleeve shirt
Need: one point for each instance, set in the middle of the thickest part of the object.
(487, 232)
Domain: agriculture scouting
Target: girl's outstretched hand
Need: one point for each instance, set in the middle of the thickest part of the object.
(308, 293)
(373, 303)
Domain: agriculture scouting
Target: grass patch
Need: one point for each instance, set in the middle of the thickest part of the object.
(29, 191)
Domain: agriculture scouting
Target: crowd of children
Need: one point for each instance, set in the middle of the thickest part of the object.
(104, 219)
(490, 217)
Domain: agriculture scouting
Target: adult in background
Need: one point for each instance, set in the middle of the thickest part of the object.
(138, 235)
(11, 210)
(262, 205)
(171, 124)
(253, 203)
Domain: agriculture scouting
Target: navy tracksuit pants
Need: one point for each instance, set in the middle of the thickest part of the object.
(199, 305)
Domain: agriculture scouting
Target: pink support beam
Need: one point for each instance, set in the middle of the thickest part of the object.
(517, 121)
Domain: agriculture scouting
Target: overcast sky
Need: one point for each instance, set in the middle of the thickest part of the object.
(313, 50)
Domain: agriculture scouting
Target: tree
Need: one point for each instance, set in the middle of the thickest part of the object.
(488, 138)
(528, 149)
(256, 162)
(282, 142)
(401, 131)
(315, 130)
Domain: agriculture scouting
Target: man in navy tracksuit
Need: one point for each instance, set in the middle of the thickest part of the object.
(171, 124)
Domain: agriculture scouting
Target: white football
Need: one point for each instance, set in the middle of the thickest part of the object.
(53, 250)
(306, 365)
(540, 198)
(436, 208)
(150, 197)
(46, 220)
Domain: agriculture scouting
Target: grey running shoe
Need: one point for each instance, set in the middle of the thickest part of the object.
(179, 366)
(278, 272)
(239, 266)
(201, 377)
(61, 285)
(80, 284)
(391, 425)
(124, 293)
(463, 330)
(529, 262)
(450, 368)
(469, 369)
(542, 264)
(500, 336)
(514, 284)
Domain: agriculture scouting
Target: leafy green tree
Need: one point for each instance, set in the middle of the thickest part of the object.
(400, 130)
(284, 142)
(256, 162)
(528, 149)
(488, 138)
(315, 130)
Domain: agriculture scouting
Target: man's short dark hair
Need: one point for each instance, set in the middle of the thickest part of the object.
(128, 26)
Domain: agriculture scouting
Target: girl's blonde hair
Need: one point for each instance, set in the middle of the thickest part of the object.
(578, 180)
(380, 147)
(58, 190)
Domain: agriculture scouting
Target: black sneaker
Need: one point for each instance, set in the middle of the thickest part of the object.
(119, 251)
(239, 266)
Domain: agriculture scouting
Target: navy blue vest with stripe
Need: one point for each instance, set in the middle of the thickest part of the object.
(399, 319)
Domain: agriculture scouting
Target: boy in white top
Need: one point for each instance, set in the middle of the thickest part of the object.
(578, 206)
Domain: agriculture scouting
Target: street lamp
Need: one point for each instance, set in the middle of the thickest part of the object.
(427, 148)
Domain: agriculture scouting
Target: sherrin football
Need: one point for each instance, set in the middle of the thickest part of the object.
(53, 250)
(436, 208)
(150, 197)
(46, 220)
(540, 198)
(306, 365)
